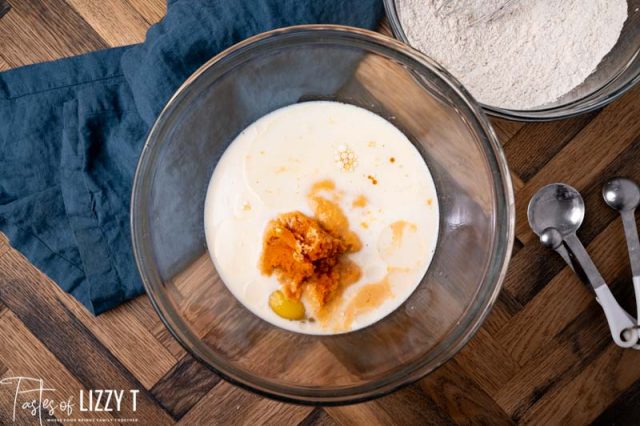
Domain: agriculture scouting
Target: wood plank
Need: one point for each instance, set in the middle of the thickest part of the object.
(141, 309)
(318, 417)
(461, 398)
(559, 303)
(359, 414)
(123, 335)
(503, 310)
(166, 339)
(184, 386)
(586, 156)
(126, 339)
(151, 10)
(37, 31)
(559, 361)
(624, 410)
(39, 307)
(486, 362)
(584, 398)
(530, 270)
(505, 129)
(516, 181)
(406, 406)
(116, 21)
(7, 399)
(563, 299)
(228, 404)
(537, 143)
(412, 406)
(3, 311)
(517, 246)
(385, 28)
(4, 244)
(26, 356)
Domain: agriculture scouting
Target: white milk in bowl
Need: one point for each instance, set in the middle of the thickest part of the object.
(321, 217)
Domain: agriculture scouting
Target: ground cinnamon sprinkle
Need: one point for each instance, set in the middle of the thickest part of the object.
(360, 201)
(308, 254)
(322, 185)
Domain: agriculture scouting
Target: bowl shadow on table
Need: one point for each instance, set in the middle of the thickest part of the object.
(408, 335)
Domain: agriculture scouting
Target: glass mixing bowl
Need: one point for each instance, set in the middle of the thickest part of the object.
(618, 71)
(358, 67)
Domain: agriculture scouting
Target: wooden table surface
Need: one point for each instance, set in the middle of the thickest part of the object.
(544, 355)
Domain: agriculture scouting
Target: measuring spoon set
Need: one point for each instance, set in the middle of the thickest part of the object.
(556, 212)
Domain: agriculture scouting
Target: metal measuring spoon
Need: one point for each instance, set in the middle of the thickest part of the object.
(560, 207)
(552, 238)
(623, 195)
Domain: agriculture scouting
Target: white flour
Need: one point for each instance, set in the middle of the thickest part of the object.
(528, 56)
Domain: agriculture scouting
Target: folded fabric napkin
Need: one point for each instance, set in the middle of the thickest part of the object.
(71, 132)
(4, 7)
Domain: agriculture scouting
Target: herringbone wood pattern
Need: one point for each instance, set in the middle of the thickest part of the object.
(544, 355)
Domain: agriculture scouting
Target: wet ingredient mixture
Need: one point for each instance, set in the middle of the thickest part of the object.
(316, 218)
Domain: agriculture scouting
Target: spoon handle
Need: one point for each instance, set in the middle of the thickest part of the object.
(621, 324)
(564, 253)
(584, 260)
(633, 244)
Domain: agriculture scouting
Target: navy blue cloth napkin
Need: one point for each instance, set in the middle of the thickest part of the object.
(71, 132)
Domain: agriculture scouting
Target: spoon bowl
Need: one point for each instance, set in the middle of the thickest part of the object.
(556, 206)
(621, 194)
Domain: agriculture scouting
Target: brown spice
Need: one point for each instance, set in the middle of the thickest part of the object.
(397, 230)
(322, 185)
(360, 201)
(372, 179)
(369, 297)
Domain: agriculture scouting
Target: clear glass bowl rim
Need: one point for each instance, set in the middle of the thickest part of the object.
(567, 110)
(505, 206)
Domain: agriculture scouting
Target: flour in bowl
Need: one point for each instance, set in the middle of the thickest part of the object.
(529, 55)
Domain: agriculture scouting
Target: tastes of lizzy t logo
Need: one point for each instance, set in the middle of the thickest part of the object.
(38, 400)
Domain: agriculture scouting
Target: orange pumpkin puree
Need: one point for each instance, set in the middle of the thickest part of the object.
(308, 255)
